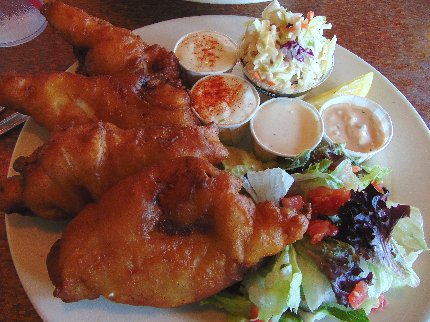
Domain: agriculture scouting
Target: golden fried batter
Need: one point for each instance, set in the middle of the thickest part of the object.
(170, 235)
(57, 100)
(77, 165)
(104, 49)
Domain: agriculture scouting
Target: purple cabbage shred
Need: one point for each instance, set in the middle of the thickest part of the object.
(292, 49)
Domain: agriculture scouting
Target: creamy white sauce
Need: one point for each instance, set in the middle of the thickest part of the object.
(224, 99)
(206, 51)
(287, 128)
(356, 126)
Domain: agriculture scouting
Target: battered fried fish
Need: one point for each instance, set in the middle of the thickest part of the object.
(57, 100)
(77, 165)
(103, 49)
(170, 235)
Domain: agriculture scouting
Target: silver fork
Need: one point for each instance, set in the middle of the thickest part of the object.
(11, 122)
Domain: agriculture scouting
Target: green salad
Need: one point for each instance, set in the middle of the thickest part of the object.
(358, 245)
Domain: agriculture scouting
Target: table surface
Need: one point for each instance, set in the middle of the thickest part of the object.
(391, 35)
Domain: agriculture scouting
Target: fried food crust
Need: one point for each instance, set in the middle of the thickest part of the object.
(103, 49)
(78, 164)
(58, 100)
(170, 235)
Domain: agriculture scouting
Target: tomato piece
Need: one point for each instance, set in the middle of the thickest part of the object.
(294, 202)
(383, 303)
(355, 168)
(319, 229)
(253, 315)
(327, 201)
(378, 186)
(358, 294)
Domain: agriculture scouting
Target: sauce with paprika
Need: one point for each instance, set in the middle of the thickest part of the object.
(206, 52)
(224, 99)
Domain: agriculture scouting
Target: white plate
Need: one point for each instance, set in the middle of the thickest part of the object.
(408, 156)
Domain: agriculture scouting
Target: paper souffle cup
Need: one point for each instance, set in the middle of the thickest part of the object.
(231, 133)
(313, 127)
(376, 109)
(193, 73)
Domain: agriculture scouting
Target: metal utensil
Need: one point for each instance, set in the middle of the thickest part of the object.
(12, 122)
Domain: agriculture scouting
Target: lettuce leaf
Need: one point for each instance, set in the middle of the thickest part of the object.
(407, 242)
(409, 232)
(339, 312)
(278, 290)
(238, 307)
(371, 174)
(317, 175)
(270, 184)
(315, 285)
(239, 162)
(338, 262)
(366, 223)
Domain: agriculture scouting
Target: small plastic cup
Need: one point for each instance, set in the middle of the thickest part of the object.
(376, 125)
(285, 127)
(205, 52)
(228, 101)
(271, 92)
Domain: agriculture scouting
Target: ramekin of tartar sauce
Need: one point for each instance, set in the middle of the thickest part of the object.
(358, 122)
(285, 127)
(228, 101)
(205, 52)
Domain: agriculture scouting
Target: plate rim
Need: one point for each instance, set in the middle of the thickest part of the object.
(29, 124)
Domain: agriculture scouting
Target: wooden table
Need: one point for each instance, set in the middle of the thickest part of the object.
(391, 35)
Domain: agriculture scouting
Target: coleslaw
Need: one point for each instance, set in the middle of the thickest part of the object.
(284, 52)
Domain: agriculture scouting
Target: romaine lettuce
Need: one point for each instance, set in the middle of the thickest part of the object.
(238, 307)
(278, 290)
(315, 285)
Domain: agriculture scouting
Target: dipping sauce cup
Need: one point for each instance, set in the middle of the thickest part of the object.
(285, 127)
(205, 52)
(228, 101)
(360, 123)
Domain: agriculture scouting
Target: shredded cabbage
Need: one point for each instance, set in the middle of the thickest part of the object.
(287, 51)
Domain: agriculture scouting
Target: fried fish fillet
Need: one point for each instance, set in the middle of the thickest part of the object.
(57, 100)
(78, 164)
(103, 49)
(169, 235)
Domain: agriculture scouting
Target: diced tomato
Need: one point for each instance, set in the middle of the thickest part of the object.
(383, 303)
(378, 186)
(358, 295)
(355, 168)
(319, 229)
(253, 315)
(294, 202)
(327, 201)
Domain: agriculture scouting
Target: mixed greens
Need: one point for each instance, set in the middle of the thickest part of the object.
(357, 247)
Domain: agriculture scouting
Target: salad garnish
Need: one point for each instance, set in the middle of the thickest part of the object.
(358, 245)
